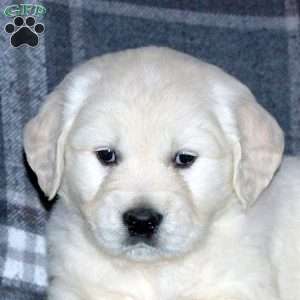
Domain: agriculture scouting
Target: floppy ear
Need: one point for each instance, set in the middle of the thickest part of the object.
(258, 153)
(44, 140)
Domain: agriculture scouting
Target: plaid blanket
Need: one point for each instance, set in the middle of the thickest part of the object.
(257, 41)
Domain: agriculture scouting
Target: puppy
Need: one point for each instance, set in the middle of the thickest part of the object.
(164, 166)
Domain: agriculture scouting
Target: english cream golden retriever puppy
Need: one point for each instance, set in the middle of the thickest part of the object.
(169, 182)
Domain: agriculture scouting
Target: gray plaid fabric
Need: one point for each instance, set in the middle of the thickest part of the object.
(257, 41)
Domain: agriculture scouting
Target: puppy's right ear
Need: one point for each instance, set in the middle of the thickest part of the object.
(258, 153)
(44, 140)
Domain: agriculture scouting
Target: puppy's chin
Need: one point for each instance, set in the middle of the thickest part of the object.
(142, 252)
(139, 252)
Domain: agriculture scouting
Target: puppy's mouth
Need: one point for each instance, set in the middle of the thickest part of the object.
(141, 240)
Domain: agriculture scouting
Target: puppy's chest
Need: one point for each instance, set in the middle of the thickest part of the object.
(160, 284)
(96, 278)
(101, 279)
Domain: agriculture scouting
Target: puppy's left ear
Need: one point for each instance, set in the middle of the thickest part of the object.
(258, 153)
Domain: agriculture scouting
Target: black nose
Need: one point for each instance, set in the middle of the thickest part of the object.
(142, 222)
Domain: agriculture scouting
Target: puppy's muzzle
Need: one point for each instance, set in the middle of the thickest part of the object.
(142, 223)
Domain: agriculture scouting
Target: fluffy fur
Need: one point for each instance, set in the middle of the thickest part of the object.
(230, 230)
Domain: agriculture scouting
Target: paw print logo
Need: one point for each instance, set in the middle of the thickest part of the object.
(24, 31)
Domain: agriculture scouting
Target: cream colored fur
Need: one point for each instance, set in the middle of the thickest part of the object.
(231, 221)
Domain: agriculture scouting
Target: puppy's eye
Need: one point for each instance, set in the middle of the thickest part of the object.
(106, 156)
(184, 159)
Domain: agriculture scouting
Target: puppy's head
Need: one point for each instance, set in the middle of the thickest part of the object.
(150, 145)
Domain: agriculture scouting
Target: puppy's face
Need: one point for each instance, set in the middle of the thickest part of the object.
(150, 145)
(149, 170)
